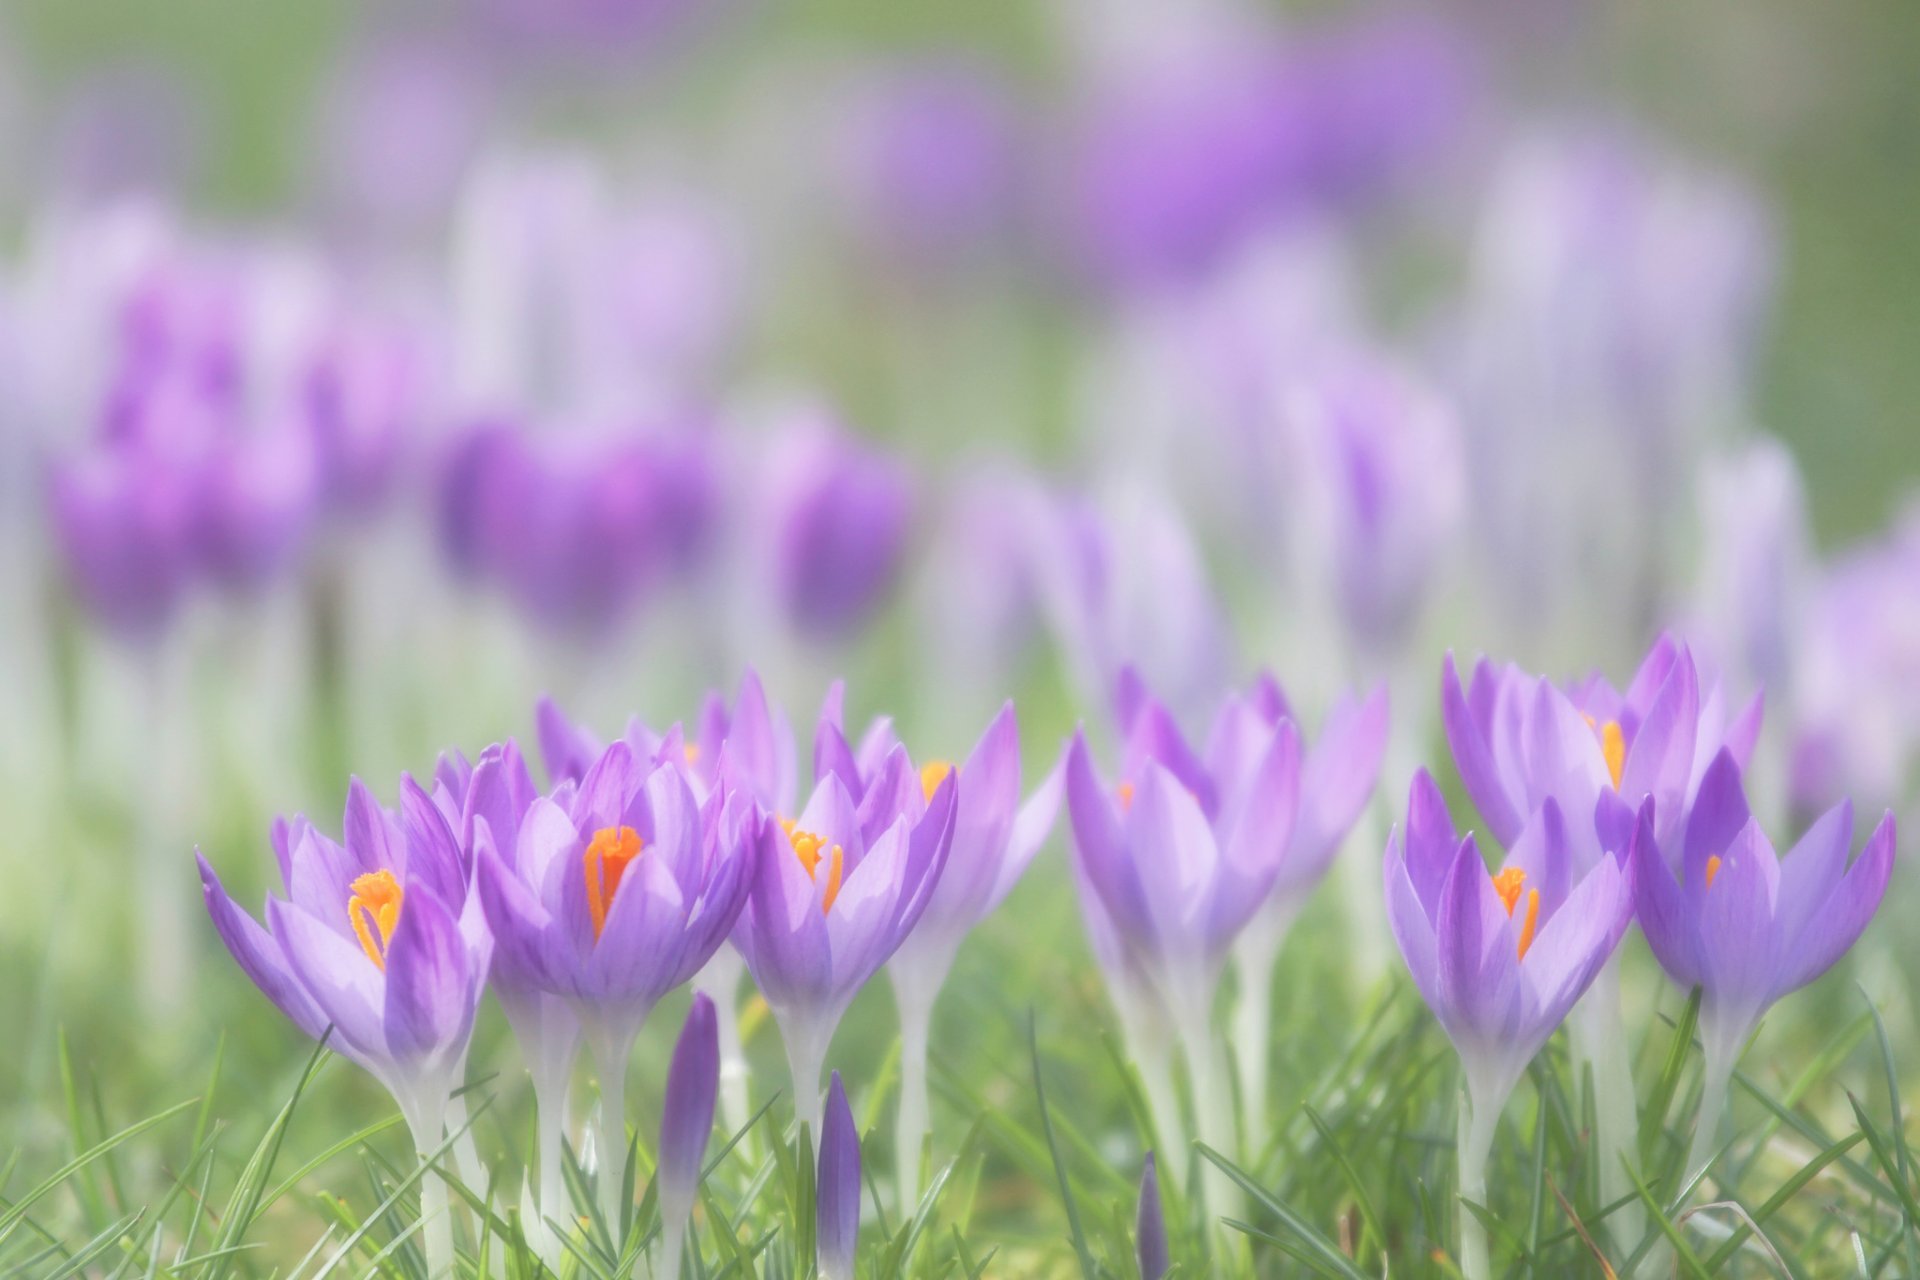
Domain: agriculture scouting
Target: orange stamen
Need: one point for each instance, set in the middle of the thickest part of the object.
(807, 847)
(608, 855)
(375, 905)
(1125, 792)
(691, 751)
(1613, 745)
(932, 775)
(1713, 869)
(1508, 885)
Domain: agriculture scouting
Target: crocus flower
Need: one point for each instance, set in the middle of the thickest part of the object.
(838, 515)
(1519, 739)
(1728, 916)
(838, 889)
(616, 891)
(1182, 852)
(686, 1123)
(994, 838)
(837, 1188)
(1337, 778)
(1150, 1226)
(379, 939)
(1500, 958)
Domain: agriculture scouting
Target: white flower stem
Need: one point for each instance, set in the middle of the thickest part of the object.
(426, 1119)
(550, 1094)
(1212, 1112)
(1475, 1146)
(1254, 955)
(720, 980)
(1152, 1056)
(914, 1120)
(1597, 1036)
(806, 1057)
(673, 1241)
(610, 1136)
(1718, 1075)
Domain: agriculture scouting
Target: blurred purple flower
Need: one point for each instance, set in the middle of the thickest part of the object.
(1753, 581)
(839, 515)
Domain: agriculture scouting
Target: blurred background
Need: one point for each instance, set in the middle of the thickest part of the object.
(370, 370)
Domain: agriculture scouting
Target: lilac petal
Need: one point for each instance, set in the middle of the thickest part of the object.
(1665, 911)
(676, 828)
(862, 920)
(433, 855)
(1541, 852)
(761, 745)
(1719, 815)
(258, 955)
(928, 847)
(1130, 697)
(893, 791)
(783, 929)
(1653, 674)
(1473, 755)
(875, 745)
(1562, 755)
(832, 815)
(1270, 700)
(636, 958)
(369, 835)
(686, 1113)
(1568, 950)
(1812, 869)
(1340, 774)
(1478, 952)
(1150, 1227)
(1156, 737)
(607, 790)
(567, 750)
(282, 837)
(1840, 921)
(431, 991)
(982, 825)
(1660, 761)
(832, 755)
(1744, 733)
(1100, 842)
(1430, 842)
(1259, 837)
(500, 793)
(1412, 927)
(1739, 943)
(1196, 902)
(323, 876)
(1614, 821)
(524, 935)
(1031, 827)
(346, 987)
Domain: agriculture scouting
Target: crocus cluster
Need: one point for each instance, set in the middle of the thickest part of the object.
(1612, 807)
(583, 905)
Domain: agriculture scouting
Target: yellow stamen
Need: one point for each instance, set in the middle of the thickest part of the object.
(1532, 919)
(809, 848)
(1613, 745)
(375, 905)
(691, 751)
(1125, 792)
(1713, 869)
(1508, 885)
(932, 775)
(834, 870)
(608, 855)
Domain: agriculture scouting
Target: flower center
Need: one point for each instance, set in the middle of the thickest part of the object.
(1509, 884)
(374, 909)
(931, 776)
(807, 847)
(608, 855)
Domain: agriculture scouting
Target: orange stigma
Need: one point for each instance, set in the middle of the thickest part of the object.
(809, 848)
(932, 774)
(608, 855)
(375, 907)
(1508, 885)
(1613, 745)
(691, 752)
(1125, 793)
(1713, 869)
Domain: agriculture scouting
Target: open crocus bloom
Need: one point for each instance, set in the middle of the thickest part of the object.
(377, 938)
(1500, 957)
(1519, 739)
(1744, 925)
(830, 905)
(615, 890)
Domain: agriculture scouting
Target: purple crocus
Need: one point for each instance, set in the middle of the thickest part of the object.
(615, 891)
(1746, 927)
(1500, 958)
(1519, 739)
(994, 838)
(838, 889)
(379, 940)
(1182, 851)
(1337, 779)
(838, 517)
(837, 1188)
(686, 1123)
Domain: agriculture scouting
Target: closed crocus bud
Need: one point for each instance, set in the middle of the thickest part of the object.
(686, 1122)
(1150, 1226)
(837, 1188)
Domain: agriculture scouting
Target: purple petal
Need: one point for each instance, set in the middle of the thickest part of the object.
(1478, 952)
(258, 955)
(1665, 911)
(346, 987)
(1839, 922)
(1740, 945)
(1473, 755)
(431, 989)
(1719, 815)
(567, 750)
(686, 1113)
(837, 1188)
